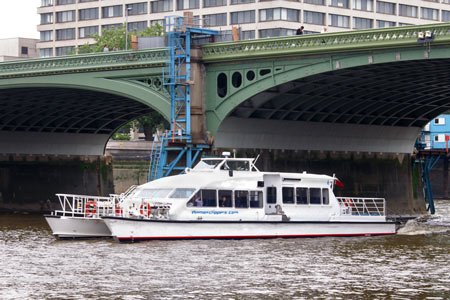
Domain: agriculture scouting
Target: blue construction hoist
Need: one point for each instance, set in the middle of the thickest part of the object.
(177, 79)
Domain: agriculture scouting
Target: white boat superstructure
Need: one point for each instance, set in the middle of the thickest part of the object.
(231, 198)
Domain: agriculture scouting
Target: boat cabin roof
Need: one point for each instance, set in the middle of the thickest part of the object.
(227, 163)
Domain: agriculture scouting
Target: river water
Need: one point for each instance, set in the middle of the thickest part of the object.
(414, 264)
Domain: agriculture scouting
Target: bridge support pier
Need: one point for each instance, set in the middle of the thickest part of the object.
(387, 176)
(28, 181)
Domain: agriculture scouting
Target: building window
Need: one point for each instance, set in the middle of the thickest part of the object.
(318, 2)
(46, 52)
(339, 3)
(312, 17)
(404, 24)
(212, 3)
(65, 34)
(385, 24)
(46, 36)
(223, 36)
(46, 2)
(274, 32)
(446, 1)
(65, 16)
(111, 26)
(440, 138)
(136, 26)
(112, 11)
(86, 32)
(161, 22)
(386, 8)
(407, 11)
(24, 50)
(339, 21)
(429, 13)
(242, 17)
(247, 35)
(215, 20)
(187, 4)
(65, 50)
(445, 16)
(362, 23)
(366, 5)
(81, 1)
(285, 14)
(47, 18)
(88, 14)
(439, 121)
(137, 8)
(162, 5)
(64, 2)
(241, 1)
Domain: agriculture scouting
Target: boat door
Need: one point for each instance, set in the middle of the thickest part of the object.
(272, 195)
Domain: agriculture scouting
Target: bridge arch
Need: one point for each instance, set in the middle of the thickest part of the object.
(74, 114)
(374, 101)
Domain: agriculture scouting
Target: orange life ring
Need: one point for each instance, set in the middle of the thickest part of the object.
(91, 208)
(118, 210)
(145, 209)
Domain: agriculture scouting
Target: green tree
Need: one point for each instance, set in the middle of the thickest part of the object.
(151, 122)
(116, 36)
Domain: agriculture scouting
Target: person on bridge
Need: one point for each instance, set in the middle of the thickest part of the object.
(115, 48)
(300, 30)
(106, 48)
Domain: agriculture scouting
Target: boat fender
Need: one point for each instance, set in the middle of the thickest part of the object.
(230, 173)
(91, 208)
(145, 209)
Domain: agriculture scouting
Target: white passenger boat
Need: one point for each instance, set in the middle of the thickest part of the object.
(231, 198)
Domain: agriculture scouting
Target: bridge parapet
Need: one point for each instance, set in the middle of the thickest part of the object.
(384, 38)
(92, 62)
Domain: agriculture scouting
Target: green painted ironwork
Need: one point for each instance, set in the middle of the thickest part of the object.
(373, 39)
(93, 62)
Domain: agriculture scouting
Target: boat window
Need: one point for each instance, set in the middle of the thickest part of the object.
(325, 196)
(302, 195)
(182, 193)
(314, 196)
(288, 195)
(196, 200)
(271, 195)
(225, 198)
(209, 198)
(256, 199)
(241, 199)
(236, 165)
(152, 193)
(208, 164)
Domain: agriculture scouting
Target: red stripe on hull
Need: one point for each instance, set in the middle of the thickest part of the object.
(248, 236)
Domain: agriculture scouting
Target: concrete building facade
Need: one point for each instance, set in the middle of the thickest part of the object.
(66, 24)
(18, 48)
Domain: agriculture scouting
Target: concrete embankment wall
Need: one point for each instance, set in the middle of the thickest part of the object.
(29, 183)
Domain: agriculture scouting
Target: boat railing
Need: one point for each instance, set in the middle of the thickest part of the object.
(84, 206)
(362, 206)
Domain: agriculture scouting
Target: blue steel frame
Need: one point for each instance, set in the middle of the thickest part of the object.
(178, 80)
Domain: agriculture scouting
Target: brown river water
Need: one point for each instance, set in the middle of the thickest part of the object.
(414, 264)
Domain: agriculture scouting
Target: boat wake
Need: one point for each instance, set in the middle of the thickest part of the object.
(429, 224)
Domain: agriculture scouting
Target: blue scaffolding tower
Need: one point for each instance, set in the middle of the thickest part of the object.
(177, 79)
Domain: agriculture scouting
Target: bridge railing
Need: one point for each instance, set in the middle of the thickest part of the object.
(83, 62)
(330, 42)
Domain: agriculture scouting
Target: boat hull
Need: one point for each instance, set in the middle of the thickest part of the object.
(71, 227)
(132, 230)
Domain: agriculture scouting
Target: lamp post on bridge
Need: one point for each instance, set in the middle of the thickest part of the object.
(127, 9)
